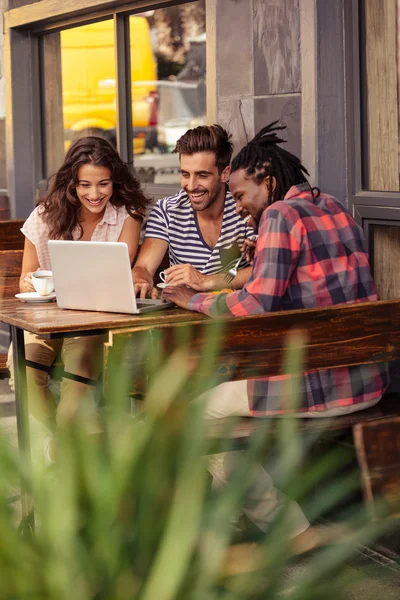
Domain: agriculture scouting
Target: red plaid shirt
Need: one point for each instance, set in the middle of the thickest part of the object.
(310, 252)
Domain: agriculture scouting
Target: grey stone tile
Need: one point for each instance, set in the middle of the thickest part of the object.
(276, 47)
(287, 110)
(234, 48)
(237, 115)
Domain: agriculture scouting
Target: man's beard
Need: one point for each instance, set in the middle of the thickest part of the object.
(212, 198)
(257, 220)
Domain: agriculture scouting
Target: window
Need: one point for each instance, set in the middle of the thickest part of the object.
(373, 29)
(148, 99)
(380, 76)
(88, 81)
(176, 94)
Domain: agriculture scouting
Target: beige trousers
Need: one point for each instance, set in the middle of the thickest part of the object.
(263, 501)
(80, 355)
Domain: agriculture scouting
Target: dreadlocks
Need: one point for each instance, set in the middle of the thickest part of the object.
(262, 158)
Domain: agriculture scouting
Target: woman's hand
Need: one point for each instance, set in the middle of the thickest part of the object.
(26, 284)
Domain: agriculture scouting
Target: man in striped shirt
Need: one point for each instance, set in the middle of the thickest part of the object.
(310, 252)
(199, 225)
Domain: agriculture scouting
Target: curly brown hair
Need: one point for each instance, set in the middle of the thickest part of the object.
(61, 205)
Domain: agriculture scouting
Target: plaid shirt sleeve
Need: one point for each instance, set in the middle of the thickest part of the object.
(276, 257)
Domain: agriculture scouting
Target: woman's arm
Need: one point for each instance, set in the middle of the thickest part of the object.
(130, 234)
(30, 264)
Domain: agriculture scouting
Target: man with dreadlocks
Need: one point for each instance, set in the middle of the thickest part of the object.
(310, 253)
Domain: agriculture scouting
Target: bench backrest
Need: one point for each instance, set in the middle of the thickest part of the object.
(11, 237)
(10, 271)
(249, 347)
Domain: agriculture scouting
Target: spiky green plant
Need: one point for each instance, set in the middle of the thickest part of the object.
(129, 514)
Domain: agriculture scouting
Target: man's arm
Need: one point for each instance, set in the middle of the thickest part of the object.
(150, 256)
(188, 275)
(276, 257)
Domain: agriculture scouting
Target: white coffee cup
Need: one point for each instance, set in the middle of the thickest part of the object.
(43, 282)
(162, 276)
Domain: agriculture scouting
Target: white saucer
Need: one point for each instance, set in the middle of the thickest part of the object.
(35, 297)
(161, 286)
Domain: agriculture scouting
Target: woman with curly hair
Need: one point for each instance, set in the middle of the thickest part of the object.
(93, 197)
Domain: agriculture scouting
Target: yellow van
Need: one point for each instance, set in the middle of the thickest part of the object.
(89, 82)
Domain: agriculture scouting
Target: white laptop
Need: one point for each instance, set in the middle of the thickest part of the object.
(96, 276)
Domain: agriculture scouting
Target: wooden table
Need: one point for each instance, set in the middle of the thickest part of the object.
(51, 322)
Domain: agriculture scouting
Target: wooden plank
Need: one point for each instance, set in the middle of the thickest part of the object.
(53, 10)
(308, 85)
(251, 347)
(378, 451)
(3, 365)
(4, 199)
(11, 237)
(382, 95)
(10, 272)
(386, 249)
(48, 320)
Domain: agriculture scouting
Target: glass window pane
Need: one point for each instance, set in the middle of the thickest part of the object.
(168, 63)
(381, 83)
(88, 81)
(78, 67)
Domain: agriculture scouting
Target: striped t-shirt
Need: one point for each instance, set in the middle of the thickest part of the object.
(174, 220)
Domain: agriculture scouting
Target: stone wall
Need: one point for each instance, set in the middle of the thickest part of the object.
(258, 67)
(3, 182)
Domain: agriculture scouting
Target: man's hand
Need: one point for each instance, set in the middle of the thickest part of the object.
(143, 289)
(187, 275)
(250, 245)
(180, 295)
(143, 284)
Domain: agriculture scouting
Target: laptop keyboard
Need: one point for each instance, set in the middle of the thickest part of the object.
(143, 304)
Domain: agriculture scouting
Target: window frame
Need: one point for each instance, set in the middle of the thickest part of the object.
(360, 199)
(25, 135)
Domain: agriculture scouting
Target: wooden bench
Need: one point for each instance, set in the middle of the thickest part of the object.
(11, 236)
(250, 347)
(11, 246)
(10, 271)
